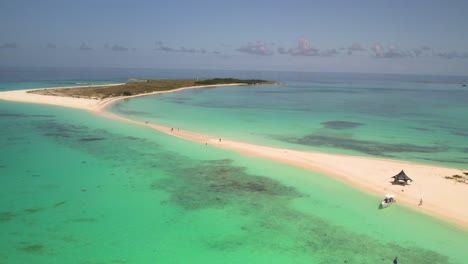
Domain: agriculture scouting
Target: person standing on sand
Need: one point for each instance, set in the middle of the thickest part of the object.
(420, 202)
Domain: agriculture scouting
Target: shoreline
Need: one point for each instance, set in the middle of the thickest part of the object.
(443, 198)
(83, 103)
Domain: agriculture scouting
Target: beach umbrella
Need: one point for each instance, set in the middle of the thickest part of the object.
(401, 177)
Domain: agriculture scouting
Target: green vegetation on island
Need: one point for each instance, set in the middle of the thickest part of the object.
(231, 80)
(139, 87)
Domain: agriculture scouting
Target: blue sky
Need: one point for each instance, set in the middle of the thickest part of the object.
(428, 37)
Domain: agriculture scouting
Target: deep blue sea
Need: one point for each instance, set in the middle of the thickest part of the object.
(79, 188)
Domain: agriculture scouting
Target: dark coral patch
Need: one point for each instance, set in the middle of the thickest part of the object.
(420, 128)
(91, 139)
(59, 204)
(81, 220)
(341, 124)
(266, 205)
(364, 146)
(33, 248)
(460, 133)
(217, 183)
(33, 210)
(6, 216)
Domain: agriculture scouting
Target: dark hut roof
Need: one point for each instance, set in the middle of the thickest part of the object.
(402, 176)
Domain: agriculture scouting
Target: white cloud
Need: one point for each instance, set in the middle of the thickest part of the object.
(391, 52)
(355, 47)
(257, 48)
(303, 48)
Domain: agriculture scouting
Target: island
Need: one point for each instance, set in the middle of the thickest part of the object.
(142, 87)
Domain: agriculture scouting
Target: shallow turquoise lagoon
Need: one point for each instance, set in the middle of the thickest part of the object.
(77, 188)
(417, 121)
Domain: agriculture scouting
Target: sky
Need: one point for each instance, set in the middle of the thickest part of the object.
(375, 36)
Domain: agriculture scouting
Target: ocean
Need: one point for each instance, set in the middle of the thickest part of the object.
(79, 188)
(406, 120)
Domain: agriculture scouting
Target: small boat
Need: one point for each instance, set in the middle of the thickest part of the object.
(388, 200)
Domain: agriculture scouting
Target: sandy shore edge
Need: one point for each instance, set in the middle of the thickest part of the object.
(82, 103)
(442, 198)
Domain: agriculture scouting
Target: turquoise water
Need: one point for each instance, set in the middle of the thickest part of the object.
(423, 122)
(78, 188)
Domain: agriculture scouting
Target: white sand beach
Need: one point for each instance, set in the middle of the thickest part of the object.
(442, 198)
(81, 103)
